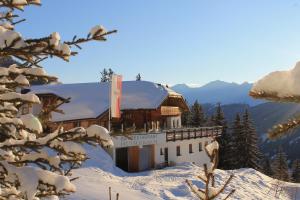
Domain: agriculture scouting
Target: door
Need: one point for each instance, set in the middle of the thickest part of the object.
(166, 156)
(122, 158)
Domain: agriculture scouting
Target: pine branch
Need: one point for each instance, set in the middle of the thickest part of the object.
(283, 129)
(273, 96)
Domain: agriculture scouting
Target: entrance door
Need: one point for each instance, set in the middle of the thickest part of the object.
(122, 158)
(166, 156)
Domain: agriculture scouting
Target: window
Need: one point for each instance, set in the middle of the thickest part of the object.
(200, 146)
(190, 148)
(76, 124)
(161, 152)
(178, 151)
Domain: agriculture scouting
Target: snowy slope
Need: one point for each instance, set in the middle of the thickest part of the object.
(168, 183)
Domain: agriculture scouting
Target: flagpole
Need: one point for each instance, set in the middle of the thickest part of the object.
(109, 108)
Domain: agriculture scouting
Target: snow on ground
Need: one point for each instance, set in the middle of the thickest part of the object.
(168, 183)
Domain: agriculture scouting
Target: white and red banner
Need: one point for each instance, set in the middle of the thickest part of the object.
(116, 95)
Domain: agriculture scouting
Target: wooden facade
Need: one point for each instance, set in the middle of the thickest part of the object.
(140, 120)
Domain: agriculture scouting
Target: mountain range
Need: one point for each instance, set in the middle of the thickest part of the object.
(218, 92)
(234, 99)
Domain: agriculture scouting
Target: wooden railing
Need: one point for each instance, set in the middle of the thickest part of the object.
(192, 133)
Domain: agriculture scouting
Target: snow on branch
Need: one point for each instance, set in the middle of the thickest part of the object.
(32, 179)
(280, 86)
(18, 4)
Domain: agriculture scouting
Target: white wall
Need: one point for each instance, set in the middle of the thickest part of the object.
(139, 139)
(198, 158)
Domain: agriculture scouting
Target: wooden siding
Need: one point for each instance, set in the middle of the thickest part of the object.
(141, 119)
(169, 111)
(133, 159)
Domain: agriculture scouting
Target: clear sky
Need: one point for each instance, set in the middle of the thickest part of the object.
(173, 41)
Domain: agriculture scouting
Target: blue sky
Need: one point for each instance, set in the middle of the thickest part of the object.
(172, 41)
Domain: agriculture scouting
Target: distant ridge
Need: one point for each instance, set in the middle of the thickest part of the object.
(218, 91)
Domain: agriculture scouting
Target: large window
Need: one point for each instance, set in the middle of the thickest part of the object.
(190, 148)
(178, 151)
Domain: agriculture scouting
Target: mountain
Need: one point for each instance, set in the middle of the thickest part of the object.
(235, 99)
(218, 91)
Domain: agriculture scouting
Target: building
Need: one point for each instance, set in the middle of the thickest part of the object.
(149, 133)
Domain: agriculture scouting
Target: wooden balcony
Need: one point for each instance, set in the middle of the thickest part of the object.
(169, 111)
(193, 133)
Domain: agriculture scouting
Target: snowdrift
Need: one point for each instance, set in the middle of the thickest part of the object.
(99, 174)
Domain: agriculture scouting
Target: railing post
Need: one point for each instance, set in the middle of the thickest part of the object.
(174, 136)
(201, 132)
(181, 135)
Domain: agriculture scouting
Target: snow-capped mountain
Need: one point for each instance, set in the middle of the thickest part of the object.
(218, 91)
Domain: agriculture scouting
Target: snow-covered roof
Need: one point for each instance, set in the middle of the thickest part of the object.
(90, 100)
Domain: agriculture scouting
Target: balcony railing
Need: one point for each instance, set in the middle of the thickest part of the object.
(193, 133)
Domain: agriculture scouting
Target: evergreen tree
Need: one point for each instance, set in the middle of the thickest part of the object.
(211, 121)
(186, 118)
(106, 74)
(234, 145)
(219, 118)
(35, 163)
(296, 171)
(197, 115)
(138, 77)
(280, 166)
(110, 72)
(224, 139)
(267, 168)
(250, 154)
